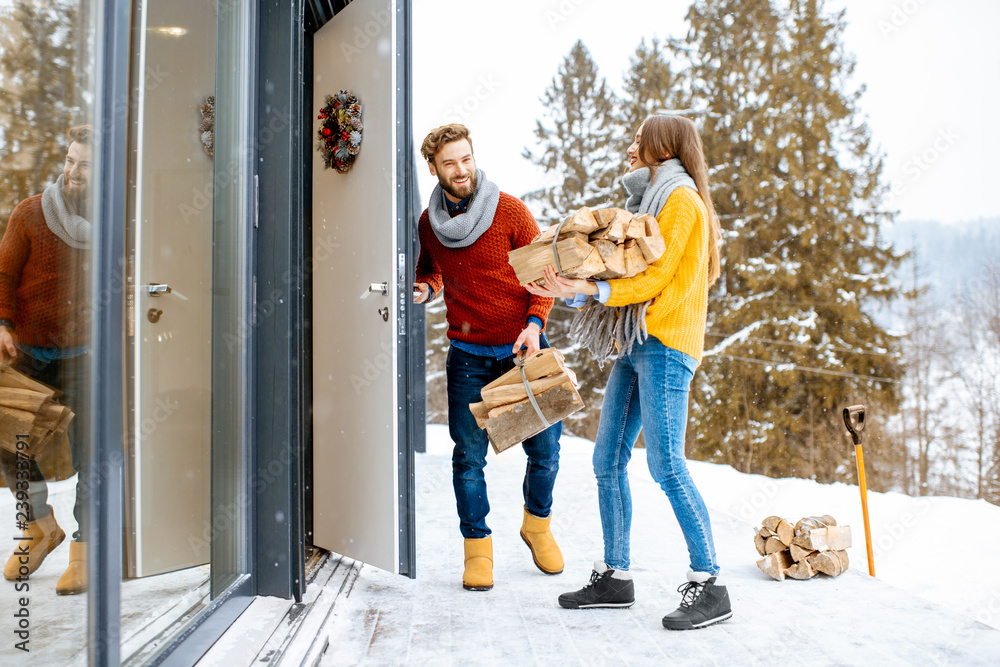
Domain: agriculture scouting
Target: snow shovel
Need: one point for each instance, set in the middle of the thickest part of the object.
(854, 418)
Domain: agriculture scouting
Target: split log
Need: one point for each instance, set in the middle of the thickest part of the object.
(773, 545)
(774, 565)
(785, 532)
(636, 229)
(22, 399)
(798, 553)
(582, 220)
(801, 570)
(759, 541)
(652, 247)
(832, 563)
(635, 263)
(831, 538)
(613, 256)
(11, 378)
(771, 523)
(592, 265)
(14, 425)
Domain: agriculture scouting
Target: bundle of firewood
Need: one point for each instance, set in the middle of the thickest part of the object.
(600, 244)
(29, 414)
(507, 414)
(813, 545)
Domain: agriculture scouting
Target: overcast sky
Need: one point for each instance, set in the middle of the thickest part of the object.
(931, 69)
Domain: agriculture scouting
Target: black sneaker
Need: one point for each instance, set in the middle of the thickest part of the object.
(604, 590)
(703, 603)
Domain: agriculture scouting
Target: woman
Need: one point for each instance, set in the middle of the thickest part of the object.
(648, 386)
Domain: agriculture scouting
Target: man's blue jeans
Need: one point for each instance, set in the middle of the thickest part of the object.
(467, 375)
(648, 389)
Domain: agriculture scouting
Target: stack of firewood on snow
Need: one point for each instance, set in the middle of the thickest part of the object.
(599, 244)
(28, 408)
(811, 546)
(506, 412)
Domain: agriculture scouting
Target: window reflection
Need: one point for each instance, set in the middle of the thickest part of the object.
(46, 170)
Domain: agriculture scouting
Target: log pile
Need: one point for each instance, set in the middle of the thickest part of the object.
(813, 545)
(28, 408)
(598, 244)
(507, 414)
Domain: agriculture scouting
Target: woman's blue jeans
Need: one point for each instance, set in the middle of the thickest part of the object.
(648, 389)
(467, 375)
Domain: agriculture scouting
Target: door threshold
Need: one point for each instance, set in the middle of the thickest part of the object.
(295, 633)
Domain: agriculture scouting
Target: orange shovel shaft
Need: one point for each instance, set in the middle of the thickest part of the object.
(864, 507)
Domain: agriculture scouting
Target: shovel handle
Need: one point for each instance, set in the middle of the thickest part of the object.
(854, 419)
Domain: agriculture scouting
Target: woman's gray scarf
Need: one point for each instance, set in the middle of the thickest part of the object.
(465, 228)
(62, 219)
(608, 331)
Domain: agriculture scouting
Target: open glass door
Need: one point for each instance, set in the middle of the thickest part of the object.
(362, 463)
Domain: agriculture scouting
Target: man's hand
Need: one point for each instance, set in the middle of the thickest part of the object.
(528, 338)
(8, 350)
(421, 292)
(558, 287)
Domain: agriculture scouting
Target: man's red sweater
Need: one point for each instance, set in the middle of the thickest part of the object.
(43, 281)
(486, 304)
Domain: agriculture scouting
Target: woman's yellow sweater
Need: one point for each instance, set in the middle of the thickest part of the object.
(678, 281)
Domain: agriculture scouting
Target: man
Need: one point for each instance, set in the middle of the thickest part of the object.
(43, 324)
(465, 234)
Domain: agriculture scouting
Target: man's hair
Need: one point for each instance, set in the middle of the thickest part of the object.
(80, 134)
(440, 136)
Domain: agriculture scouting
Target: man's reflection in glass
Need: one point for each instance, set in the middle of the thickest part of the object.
(43, 328)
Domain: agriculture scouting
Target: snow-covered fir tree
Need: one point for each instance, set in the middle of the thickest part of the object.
(791, 339)
(579, 138)
(40, 94)
(650, 86)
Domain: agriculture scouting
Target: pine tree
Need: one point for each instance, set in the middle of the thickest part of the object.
(791, 338)
(650, 85)
(582, 140)
(39, 93)
(582, 144)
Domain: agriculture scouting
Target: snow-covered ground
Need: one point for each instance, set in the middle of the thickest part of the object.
(936, 594)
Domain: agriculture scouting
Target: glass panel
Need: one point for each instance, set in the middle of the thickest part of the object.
(47, 158)
(185, 507)
(230, 319)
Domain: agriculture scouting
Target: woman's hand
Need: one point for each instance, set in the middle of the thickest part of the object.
(557, 286)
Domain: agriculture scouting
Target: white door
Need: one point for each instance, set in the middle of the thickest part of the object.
(359, 490)
(168, 480)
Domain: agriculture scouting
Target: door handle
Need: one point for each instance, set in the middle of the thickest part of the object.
(159, 289)
(380, 288)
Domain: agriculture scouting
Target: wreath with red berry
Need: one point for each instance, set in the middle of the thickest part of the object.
(340, 131)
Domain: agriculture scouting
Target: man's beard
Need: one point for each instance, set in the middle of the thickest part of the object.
(76, 200)
(467, 191)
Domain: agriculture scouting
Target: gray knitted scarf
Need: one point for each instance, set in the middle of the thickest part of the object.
(62, 219)
(608, 331)
(464, 229)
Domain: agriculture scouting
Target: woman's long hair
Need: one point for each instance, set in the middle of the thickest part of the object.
(664, 137)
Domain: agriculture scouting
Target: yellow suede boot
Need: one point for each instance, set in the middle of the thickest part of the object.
(478, 575)
(74, 579)
(38, 539)
(544, 550)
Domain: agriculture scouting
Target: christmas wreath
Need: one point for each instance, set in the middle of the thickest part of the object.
(206, 129)
(340, 131)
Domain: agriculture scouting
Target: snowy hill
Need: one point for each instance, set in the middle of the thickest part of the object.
(937, 591)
